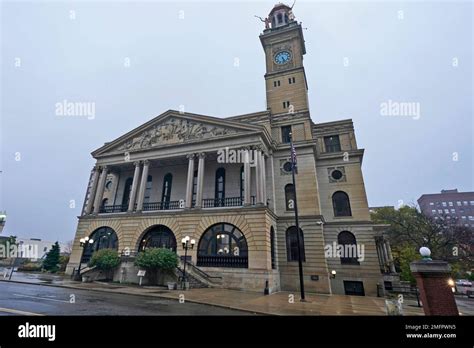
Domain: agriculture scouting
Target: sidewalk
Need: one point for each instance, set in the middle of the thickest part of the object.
(275, 304)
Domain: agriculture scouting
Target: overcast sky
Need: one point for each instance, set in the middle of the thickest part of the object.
(359, 55)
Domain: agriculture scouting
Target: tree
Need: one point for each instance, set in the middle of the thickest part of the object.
(409, 228)
(51, 260)
(157, 259)
(105, 260)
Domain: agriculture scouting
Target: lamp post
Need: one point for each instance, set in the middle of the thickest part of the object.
(188, 243)
(84, 242)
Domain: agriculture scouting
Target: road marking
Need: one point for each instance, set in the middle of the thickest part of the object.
(16, 311)
(41, 298)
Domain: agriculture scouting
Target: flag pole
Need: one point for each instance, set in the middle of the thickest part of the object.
(298, 239)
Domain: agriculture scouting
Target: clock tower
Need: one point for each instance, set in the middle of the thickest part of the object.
(285, 78)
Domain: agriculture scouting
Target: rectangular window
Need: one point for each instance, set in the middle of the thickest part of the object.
(291, 80)
(458, 203)
(440, 211)
(332, 143)
(276, 83)
(286, 104)
(450, 204)
(464, 202)
(285, 134)
(453, 211)
(471, 218)
(431, 203)
(444, 204)
(433, 211)
(446, 211)
(471, 202)
(463, 217)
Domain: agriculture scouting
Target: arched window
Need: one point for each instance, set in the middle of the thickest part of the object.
(290, 197)
(348, 244)
(292, 244)
(149, 181)
(126, 192)
(195, 181)
(223, 245)
(103, 238)
(272, 247)
(158, 237)
(340, 203)
(220, 188)
(166, 193)
(242, 184)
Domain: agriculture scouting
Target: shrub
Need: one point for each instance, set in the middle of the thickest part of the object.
(51, 260)
(105, 259)
(157, 259)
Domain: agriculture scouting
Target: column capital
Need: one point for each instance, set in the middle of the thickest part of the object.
(191, 156)
(146, 162)
(202, 155)
(104, 168)
(136, 163)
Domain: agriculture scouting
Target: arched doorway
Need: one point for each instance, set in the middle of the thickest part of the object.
(103, 238)
(158, 236)
(223, 245)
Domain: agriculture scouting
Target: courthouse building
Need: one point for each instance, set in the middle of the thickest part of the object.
(182, 174)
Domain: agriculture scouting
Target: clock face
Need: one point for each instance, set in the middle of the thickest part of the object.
(282, 57)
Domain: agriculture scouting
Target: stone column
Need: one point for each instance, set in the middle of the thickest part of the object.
(435, 292)
(100, 190)
(247, 172)
(258, 176)
(189, 183)
(93, 189)
(133, 194)
(141, 192)
(200, 180)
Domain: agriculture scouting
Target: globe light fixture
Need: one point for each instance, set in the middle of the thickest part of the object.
(425, 253)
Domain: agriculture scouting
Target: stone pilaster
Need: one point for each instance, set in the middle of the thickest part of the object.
(133, 194)
(189, 182)
(100, 190)
(141, 193)
(93, 190)
(200, 180)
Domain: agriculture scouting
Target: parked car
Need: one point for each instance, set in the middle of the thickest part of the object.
(464, 287)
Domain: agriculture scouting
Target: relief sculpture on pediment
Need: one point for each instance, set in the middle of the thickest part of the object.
(172, 131)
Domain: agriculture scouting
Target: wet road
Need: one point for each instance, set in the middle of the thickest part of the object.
(26, 299)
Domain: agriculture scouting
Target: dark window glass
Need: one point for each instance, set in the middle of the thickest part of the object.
(166, 193)
(292, 244)
(158, 237)
(242, 183)
(126, 191)
(103, 238)
(341, 204)
(285, 134)
(290, 197)
(336, 174)
(280, 18)
(272, 247)
(149, 181)
(220, 187)
(223, 245)
(349, 248)
(195, 177)
(332, 143)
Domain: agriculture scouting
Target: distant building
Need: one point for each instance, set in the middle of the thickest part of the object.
(450, 204)
(35, 248)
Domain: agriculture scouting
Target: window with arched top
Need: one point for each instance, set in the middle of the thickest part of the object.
(158, 236)
(149, 181)
(166, 193)
(272, 247)
(242, 183)
(348, 245)
(220, 187)
(223, 245)
(103, 238)
(126, 191)
(292, 244)
(290, 197)
(341, 204)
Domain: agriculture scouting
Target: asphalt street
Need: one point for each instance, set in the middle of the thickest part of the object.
(26, 299)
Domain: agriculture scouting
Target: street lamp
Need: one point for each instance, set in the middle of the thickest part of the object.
(84, 242)
(333, 274)
(188, 243)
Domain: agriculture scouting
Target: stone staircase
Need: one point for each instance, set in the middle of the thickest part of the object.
(196, 277)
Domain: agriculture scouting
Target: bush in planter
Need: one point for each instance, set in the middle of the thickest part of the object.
(155, 259)
(105, 260)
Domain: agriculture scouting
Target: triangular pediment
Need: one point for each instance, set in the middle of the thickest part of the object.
(172, 128)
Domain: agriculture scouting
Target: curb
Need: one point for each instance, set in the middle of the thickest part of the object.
(145, 294)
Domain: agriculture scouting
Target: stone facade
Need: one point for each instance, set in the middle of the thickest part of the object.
(130, 190)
